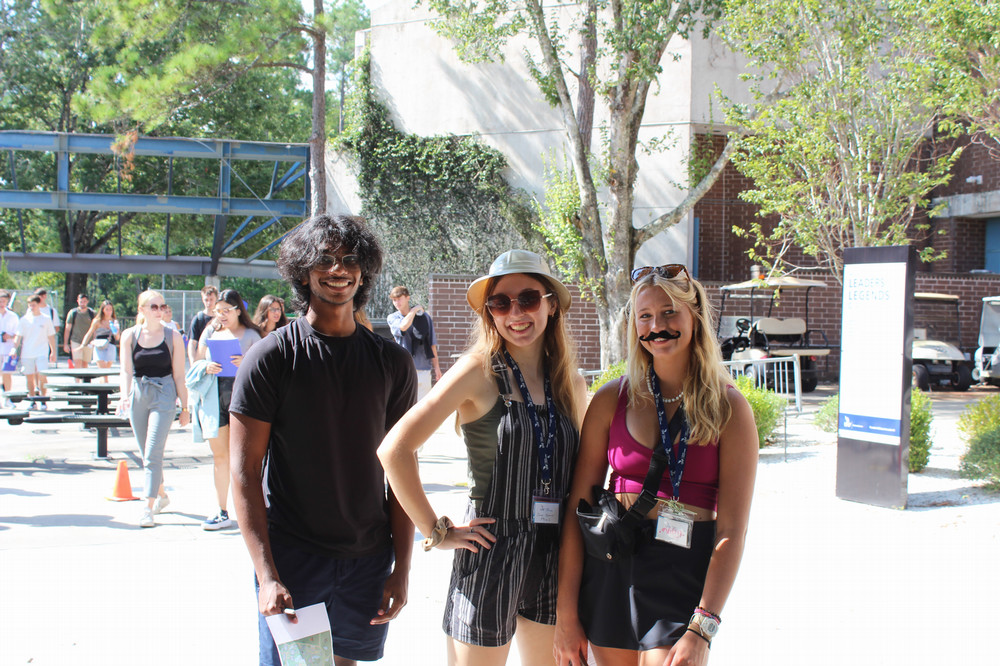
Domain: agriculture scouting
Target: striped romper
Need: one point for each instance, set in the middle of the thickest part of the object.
(518, 575)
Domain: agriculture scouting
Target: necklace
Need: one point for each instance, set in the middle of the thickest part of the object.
(649, 385)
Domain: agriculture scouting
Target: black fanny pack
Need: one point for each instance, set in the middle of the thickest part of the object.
(610, 531)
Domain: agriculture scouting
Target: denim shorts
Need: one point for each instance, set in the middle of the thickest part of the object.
(351, 589)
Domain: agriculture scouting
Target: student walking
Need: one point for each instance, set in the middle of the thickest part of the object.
(152, 382)
(231, 323)
(36, 338)
(104, 334)
(520, 401)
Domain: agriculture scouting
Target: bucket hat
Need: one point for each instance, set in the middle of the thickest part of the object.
(517, 261)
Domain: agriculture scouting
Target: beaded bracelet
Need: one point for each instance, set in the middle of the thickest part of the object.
(707, 613)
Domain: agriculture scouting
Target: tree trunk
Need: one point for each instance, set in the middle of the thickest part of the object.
(588, 57)
(317, 142)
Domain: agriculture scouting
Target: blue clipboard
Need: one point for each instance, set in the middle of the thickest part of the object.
(220, 352)
(9, 364)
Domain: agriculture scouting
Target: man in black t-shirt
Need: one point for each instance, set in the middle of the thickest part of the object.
(209, 297)
(317, 397)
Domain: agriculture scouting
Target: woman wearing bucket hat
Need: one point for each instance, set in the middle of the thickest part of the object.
(677, 430)
(520, 402)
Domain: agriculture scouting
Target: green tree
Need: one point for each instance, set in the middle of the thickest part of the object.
(48, 57)
(842, 156)
(178, 54)
(613, 50)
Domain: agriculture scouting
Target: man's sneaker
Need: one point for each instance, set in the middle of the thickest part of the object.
(147, 519)
(43, 407)
(160, 504)
(218, 521)
(33, 407)
(7, 404)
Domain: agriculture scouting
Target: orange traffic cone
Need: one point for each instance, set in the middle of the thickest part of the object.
(123, 487)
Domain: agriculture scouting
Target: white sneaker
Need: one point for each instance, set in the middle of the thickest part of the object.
(160, 504)
(219, 521)
(43, 407)
(7, 404)
(147, 519)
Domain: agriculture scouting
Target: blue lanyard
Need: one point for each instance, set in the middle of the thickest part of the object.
(676, 465)
(546, 445)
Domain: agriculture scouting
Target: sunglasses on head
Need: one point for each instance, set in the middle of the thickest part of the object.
(668, 271)
(328, 261)
(528, 300)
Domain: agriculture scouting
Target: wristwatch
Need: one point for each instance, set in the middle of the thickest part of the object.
(705, 626)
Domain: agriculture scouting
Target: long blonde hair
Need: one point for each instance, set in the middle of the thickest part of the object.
(144, 298)
(705, 385)
(559, 349)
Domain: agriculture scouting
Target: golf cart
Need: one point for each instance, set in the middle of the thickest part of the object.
(987, 361)
(935, 360)
(752, 338)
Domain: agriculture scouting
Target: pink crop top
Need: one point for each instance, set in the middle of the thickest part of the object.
(630, 460)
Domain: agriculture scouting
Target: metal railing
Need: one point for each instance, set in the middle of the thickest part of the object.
(781, 374)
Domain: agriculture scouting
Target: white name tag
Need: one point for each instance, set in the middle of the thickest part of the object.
(545, 510)
(674, 529)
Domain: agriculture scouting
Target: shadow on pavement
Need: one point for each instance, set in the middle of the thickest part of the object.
(67, 520)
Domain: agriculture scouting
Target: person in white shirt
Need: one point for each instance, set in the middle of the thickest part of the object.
(8, 330)
(36, 336)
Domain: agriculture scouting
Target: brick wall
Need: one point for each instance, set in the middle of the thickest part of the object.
(454, 320)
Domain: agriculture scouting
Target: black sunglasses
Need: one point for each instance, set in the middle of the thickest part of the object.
(668, 271)
(326, 262)
(528, 300)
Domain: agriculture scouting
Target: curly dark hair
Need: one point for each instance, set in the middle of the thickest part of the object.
(322, 234)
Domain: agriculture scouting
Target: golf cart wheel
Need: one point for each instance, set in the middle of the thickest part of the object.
(921, 377)
(809, 382)
(962, 379)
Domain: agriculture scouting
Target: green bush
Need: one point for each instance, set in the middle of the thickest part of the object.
(615, 371)
(980, 424)
(768, 407)
(921, 416)
(982, 460)
(828, 414)
(980, 417)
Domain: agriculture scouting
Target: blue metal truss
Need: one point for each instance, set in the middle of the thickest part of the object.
(63, 145)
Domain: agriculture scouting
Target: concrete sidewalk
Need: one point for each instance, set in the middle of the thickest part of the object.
(823, 581)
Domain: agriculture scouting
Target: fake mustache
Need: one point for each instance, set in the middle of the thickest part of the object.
(657, 335)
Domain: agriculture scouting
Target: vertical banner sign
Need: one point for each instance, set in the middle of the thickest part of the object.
(876, 360)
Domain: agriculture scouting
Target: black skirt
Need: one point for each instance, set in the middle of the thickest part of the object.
(645, 601)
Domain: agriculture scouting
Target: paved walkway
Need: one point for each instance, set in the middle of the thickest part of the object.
(823, 581)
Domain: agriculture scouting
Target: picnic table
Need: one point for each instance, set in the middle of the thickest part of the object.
(86, 375)
(14, 416)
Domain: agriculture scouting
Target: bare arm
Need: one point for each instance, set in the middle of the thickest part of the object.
(394, 596)
(177, 360)
(66, 331)
(591, 469)
(126, 369)
(464, 389)
(248, 439)
(738, 451)
(90, 332)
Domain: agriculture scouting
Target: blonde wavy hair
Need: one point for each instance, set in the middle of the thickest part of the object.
(144, 298)
(705, 401)
(560, 350)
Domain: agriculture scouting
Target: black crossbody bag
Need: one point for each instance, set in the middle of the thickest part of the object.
(610, 531)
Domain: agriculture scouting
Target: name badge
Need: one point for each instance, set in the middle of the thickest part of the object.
(545, 510)
(674, 528)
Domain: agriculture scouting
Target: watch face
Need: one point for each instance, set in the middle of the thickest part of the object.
(709, 625)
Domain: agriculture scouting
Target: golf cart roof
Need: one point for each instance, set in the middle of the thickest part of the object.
(928, 296)
(782, 282)
(992, 300)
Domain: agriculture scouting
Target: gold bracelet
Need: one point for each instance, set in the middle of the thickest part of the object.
(439, 532)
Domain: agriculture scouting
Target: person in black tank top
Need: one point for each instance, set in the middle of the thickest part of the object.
(152, 382)
(520, 401)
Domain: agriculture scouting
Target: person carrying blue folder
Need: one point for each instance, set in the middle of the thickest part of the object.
(223, 343)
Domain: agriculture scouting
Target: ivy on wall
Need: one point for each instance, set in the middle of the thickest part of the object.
(440, 204)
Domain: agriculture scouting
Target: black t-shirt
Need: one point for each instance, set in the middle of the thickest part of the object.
(198, 324)
(329, 401)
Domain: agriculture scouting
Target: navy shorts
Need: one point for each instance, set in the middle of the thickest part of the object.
(351, 589)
